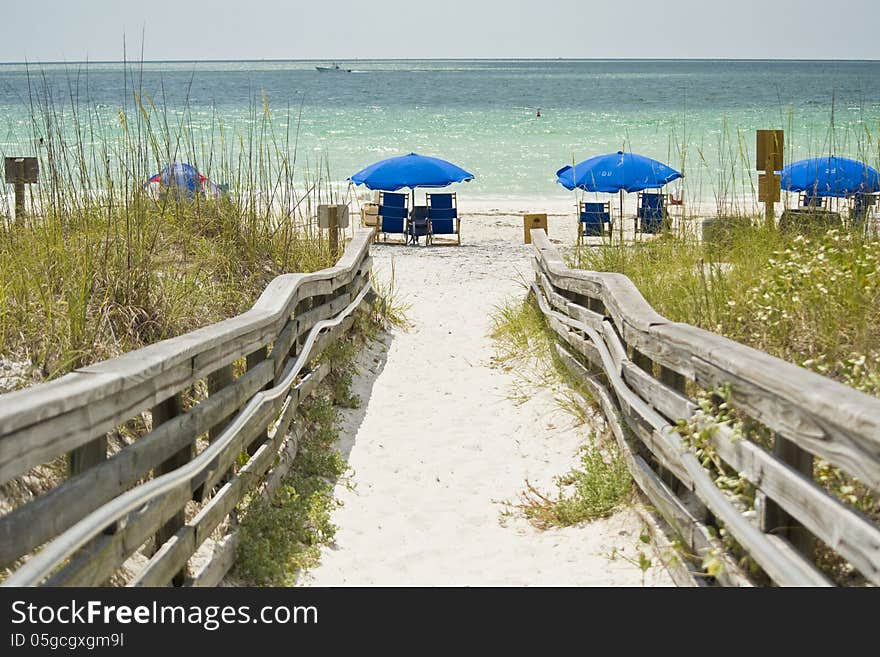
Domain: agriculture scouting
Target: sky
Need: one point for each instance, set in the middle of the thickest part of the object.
(95, 30)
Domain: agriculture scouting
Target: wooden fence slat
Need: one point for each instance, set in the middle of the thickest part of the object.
(784, 571)
(66, 414)
(844, 530)
(34, 523)
(693, 532)
(48, 420)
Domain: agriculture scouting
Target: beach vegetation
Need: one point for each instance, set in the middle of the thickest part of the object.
(282, 534)
(595, 488)
(600, 483)
(813, 300)
(101, 264)
(524, 346)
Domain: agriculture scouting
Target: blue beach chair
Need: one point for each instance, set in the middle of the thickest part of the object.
(861, 207)
(443, 217)
(593, 219)
(418, 225)
(393, 212)
(652, 211)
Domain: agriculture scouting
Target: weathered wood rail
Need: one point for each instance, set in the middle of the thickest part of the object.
(646, 371)
(242, 435)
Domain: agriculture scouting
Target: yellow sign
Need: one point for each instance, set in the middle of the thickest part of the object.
(770, 146)
(533, 221)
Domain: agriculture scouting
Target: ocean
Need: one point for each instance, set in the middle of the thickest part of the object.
(698, 116)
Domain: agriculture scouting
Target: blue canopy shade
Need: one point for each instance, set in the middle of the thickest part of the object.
(410, 171)
(613, 172)
(830, 176)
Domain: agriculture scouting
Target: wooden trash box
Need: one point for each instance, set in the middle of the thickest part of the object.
(370, 214)
(531, 221)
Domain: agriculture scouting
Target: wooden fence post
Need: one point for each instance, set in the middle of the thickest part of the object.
(83, 458)
(162, 412)
(774, 519)
(334, 232)
(218, 380)
(252, 360)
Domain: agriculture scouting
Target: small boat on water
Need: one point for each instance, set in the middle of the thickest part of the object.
(336, 68)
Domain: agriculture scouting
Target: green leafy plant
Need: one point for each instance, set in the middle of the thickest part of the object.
(600, 485)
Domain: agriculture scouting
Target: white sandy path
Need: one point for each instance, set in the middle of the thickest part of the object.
(437, 443)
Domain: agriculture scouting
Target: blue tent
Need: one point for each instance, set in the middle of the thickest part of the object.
(614, 172)
(185, 180)
(410, 171)
(830, 176)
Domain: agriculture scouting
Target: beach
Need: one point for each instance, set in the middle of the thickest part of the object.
(438, 446)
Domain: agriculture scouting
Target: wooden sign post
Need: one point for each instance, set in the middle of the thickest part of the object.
(769, 160)
(20, 171)
(333, 217)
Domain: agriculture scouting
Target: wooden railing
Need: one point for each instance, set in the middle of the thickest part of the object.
(198, 462)
(646, 373)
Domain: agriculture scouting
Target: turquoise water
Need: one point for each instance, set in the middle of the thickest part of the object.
(482, 114)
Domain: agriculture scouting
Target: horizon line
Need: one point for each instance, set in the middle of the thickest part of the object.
(441, 59)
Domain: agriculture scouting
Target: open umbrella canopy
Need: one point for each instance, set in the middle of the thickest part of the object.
(410, 171)
(614, 172)
(830, 176)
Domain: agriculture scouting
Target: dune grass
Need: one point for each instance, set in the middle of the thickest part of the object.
(811, 300)
(600, 483)
(100, 265)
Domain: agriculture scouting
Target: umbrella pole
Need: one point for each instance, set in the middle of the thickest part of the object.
(621, 216)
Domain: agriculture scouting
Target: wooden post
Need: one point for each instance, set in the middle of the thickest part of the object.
(162, 412)
(216, 382)
(252, 361)
(774, 519)
(334, 232)
(531, 221)
(83, 458)
(769, 211)
(769, 159)
(20, 211)
(20, 171)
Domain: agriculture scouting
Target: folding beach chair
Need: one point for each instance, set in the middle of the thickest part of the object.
(418, 225)
(443, 218)
(594, 219)
(651, 212)
(393, 213)
(811, 200)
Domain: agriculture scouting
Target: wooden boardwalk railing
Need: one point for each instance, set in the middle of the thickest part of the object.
(645, 372)
(110, 506)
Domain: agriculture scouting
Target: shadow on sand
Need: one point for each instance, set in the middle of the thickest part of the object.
(369, 366)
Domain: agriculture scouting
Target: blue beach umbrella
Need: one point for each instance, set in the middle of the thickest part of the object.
(410, 171)
(615, 172)
(830, 176)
